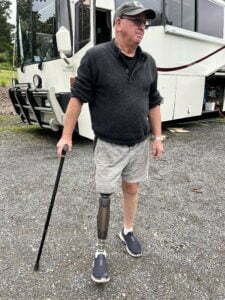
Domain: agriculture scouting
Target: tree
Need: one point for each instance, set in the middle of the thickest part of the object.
(6, 32)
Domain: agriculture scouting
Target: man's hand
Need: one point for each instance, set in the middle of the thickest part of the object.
(72, 113)
(61, 143)
(157, 149)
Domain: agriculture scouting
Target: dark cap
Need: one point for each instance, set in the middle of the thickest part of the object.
(132, 9)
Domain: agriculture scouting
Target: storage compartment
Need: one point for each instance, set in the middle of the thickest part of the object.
(189, 91)
(214, 93)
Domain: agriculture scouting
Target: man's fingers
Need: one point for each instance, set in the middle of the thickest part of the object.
(59, 148)
(157, 152)
(59, 151)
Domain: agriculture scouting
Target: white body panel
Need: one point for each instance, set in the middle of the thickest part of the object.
(167, 85)
(172, 49)
(189, 89)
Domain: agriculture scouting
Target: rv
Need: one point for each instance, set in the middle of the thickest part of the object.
(187, 40)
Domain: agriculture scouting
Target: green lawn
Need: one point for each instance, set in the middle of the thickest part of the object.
(5, 77)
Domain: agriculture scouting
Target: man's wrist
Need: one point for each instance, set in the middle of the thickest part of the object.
(157, 138)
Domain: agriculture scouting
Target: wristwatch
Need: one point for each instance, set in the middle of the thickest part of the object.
(157, 138)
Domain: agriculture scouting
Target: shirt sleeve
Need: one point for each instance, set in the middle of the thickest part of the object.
(83, 87)
(154, 96)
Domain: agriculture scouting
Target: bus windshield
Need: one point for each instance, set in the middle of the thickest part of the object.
(36, 29)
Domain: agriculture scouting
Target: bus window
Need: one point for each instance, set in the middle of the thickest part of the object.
(37, 28)
(24, 44)
(210, 18)
(82, 24)
(156, 5)
(173, 12)
(181, 13)
(153, 4)
(43, 30)
(188, 15)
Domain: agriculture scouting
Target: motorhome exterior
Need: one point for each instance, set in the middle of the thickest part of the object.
(187, 40)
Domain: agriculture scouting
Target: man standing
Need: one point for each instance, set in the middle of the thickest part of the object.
(119, 82)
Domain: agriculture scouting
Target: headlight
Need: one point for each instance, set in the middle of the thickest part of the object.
(37, 81)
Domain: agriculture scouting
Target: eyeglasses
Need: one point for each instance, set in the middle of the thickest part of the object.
(137, 21)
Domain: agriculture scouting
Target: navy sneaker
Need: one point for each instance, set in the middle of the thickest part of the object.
(133, 246)
(100, 269)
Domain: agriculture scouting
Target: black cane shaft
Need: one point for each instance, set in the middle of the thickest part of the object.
(36, 267)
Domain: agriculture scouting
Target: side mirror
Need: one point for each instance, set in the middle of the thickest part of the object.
(63, 42)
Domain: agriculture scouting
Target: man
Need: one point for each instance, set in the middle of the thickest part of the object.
(119, 82)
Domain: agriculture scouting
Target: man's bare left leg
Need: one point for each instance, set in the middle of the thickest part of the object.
(130, 204)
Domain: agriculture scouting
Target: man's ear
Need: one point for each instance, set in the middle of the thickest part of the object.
(118, 23)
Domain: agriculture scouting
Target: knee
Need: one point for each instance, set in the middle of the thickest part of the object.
(130, 188)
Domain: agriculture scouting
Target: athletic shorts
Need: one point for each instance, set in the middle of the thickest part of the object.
(113, 162)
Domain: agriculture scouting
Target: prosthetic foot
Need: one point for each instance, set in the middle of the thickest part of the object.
(100, 269)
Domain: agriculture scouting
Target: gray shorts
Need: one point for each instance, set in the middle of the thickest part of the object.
(112, 162)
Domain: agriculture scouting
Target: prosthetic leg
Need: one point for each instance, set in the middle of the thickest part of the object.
(100, 272)
(103, 220)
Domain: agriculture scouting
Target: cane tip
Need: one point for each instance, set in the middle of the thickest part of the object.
(36, 267)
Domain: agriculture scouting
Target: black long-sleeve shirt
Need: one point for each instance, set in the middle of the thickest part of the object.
(119, 100)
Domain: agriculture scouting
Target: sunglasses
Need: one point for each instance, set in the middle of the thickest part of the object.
(137, 21)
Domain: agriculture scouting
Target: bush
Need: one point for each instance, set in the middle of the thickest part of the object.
(5, 60)
(3, 57)
(5, 66)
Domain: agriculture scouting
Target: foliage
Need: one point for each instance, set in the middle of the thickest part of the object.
(6, 32)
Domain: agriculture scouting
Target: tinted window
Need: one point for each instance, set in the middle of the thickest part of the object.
(24, 31)
(181, 13)
(173, 12)
(82, 24)
(210, 18)
(154, 4)
(188, 14)
(36, 30)
(43, 30)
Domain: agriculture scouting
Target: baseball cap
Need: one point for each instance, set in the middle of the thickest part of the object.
(132, 9)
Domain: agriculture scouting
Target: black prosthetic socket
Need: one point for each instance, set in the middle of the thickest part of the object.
(103, 216)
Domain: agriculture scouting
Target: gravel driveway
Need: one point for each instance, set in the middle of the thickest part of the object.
(180, 222)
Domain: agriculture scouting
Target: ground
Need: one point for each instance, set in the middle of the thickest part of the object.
(180, 221)
(5, 104)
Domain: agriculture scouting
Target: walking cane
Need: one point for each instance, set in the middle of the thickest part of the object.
(65, 149)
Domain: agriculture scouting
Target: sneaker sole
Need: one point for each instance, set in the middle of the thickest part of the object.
(98, 280)
(128, 250)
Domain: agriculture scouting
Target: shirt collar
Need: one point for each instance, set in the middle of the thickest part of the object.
(117, 51)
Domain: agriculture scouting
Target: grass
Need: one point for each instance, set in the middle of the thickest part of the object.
(14, 124)
(6, 117)
(6, 74)
(18, 129)
(5, 77)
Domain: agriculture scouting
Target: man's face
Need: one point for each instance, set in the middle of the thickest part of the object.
(132, 28)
